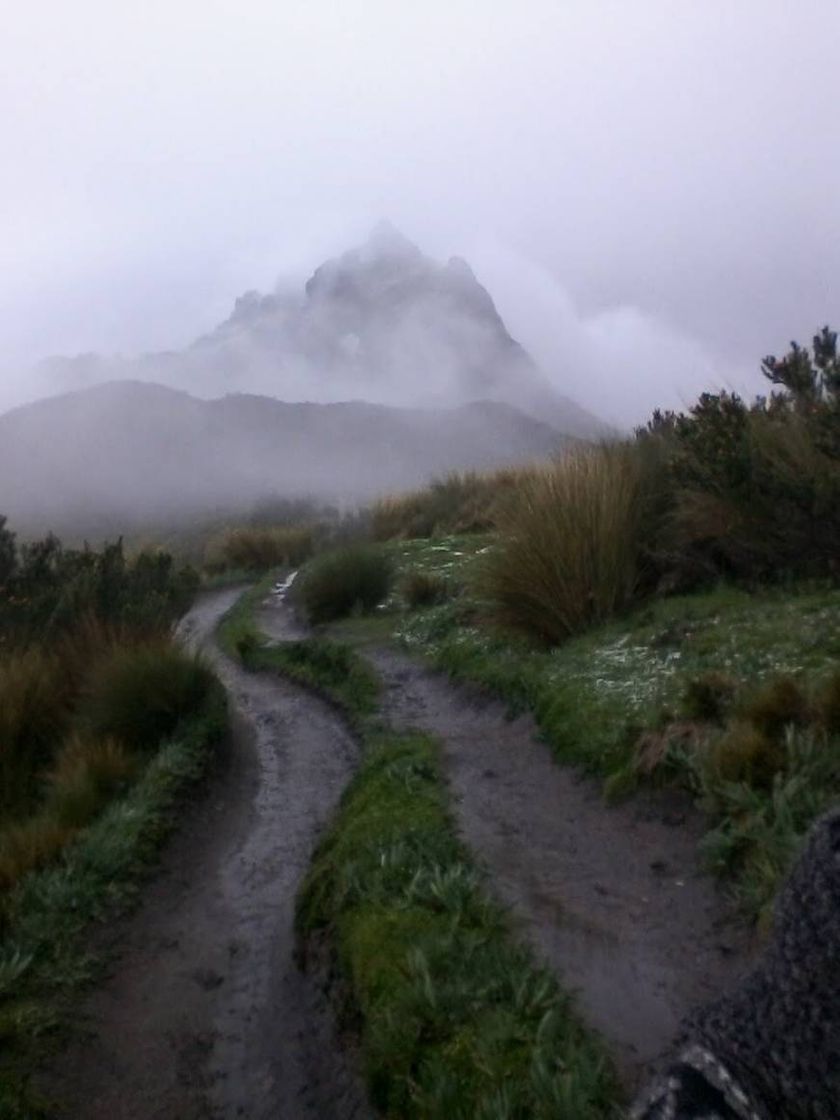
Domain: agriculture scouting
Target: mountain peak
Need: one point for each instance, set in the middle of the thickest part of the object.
(385, 240)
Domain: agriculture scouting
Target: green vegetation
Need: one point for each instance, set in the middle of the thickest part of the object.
(45, 955)
(728, 693)
(103, 718)
(47, 590)
(342, 581)
(454, 1019)
(687, 583)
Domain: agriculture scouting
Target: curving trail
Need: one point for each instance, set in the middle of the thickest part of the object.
(205, 1014)
(611, 898)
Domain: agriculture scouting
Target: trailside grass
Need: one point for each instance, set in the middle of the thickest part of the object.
(454, 1018)
(44, 960)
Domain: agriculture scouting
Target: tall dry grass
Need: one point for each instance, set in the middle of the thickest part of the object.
(570, 539)
(462, 502)
(139, 694)
(259, 549)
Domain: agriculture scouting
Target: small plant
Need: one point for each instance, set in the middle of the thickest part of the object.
(709, 697)
(34, 710)
(745, 753)
(828, 704)
(86, 774)
(338, 583)
(140, 695)
(425, 589)
(778, 704)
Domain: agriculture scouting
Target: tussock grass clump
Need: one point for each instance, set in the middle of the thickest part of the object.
(259, 549)
(86, 774)
(760, 830)
(34, 709)
(425, 589)
(828, 704)
(29, 845)
(338, 583)
(140, 695)
(462, 502)
(568, 554)
(745, 753)
(778, 704)
(709, 697)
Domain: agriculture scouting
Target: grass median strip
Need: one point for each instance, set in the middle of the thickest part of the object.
(454, 1018)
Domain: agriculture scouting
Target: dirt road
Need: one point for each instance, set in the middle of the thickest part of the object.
(611, 898)
(205, 1014)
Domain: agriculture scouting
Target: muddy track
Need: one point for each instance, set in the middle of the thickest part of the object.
(205, 1014)
(611, 898)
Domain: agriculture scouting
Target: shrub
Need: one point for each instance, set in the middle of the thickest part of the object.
(337, 583)
(709, 697)
(570, 543)
(425, 589)
(139, 695)
(260, 549)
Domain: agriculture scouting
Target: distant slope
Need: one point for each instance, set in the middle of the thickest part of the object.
(381, 323)
(128, 453)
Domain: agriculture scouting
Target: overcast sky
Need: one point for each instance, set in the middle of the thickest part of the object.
(649, 189)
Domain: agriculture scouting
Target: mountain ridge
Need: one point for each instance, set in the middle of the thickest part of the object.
(131, 453)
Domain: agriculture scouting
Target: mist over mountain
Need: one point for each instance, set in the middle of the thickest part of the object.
(381, 323)
(128, 455)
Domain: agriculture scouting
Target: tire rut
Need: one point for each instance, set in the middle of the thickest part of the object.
(205, 1015)
(611, 898)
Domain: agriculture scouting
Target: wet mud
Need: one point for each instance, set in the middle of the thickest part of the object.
(205, 1015)
(611, 898)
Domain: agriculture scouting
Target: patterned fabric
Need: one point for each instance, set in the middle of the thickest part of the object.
(770, 1050)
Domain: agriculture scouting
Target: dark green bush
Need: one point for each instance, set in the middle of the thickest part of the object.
(47, 590)
(338, 583)
(139, 695)
(755, 489)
